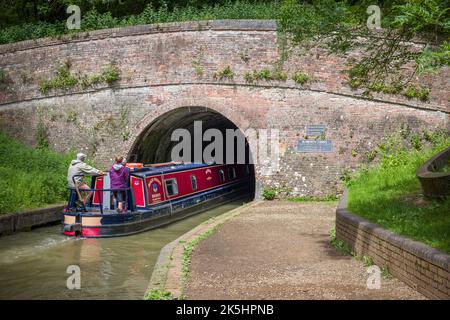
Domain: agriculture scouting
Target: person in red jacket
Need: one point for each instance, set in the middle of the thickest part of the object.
(119, 175)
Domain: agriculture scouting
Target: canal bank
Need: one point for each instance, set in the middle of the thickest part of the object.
(274, 250)
(29, 219)
(170, 274)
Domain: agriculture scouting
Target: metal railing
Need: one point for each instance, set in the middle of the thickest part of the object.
(96, 191)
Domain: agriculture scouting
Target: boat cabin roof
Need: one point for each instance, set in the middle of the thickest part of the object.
(154, 170)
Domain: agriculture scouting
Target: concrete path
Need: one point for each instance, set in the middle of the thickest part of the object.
(281, 250)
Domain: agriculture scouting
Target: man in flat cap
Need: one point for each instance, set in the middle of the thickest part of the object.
(75, 175)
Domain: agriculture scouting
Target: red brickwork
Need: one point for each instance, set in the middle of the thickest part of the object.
(168, 66)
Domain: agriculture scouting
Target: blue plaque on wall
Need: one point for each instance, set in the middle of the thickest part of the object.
(315, 130)
(315, 146)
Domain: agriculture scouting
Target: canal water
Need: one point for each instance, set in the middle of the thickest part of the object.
(33, 264)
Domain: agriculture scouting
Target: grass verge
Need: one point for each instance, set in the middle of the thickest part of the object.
(389, 193)
(30, 177)
(328, 198)
(187, 253)
(156, 294)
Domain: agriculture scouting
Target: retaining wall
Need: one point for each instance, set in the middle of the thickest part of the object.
(423, 268)
(26, 220)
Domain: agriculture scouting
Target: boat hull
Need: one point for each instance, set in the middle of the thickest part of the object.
(114, 225)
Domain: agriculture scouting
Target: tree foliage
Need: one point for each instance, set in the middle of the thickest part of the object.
(337, 25)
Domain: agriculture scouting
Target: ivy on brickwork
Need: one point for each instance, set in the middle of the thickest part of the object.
(65, 79)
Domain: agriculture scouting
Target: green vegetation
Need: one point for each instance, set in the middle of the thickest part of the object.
(418, 92)
(343, 248)
(226, 73)
(300, 77)
(156, 294)
(187, 253)
(336, 26)
(327, 198)
(385, 273)
(64, 79)
(445, 168)
(3, 76)
(269, 193)
(339, 245)
(367, 261)
(30, 177)
(41, 134)
(389, 193)
(49, 20)
(265, 74)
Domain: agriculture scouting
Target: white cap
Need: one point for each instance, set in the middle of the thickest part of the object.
(81, 156)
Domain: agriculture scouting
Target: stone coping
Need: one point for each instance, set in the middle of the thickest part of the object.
(435, 183)
(165, 27)
(419, 249)
(26, 220)
(215, 25)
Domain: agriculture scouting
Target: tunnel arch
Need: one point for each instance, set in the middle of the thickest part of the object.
(153, 144)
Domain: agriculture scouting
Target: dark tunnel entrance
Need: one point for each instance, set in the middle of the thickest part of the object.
(154, 144)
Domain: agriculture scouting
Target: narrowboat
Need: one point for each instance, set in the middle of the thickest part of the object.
(158, 194)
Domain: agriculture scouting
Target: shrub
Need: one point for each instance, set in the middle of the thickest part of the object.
(64, 79)
(110, 74)
(226, 73)
(418, 92)
(269, 193)
(300, 77)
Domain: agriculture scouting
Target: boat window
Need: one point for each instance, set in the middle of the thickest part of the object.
(231, 173)
(171, 187)
(247, 170)
(194, 182)
(221, 175)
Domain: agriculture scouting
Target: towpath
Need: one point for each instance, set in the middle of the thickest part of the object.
(281, 250)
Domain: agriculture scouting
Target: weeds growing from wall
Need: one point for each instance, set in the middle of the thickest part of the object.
(65, 79)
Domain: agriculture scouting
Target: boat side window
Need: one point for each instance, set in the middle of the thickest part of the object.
(194, 182)
(172, 187)
(222, 175)
(231, 173)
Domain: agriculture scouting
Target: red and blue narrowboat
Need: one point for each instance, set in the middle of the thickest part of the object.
(158, 194)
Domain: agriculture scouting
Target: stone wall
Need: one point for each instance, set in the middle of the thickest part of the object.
(163, 67)
(425, 269)
(33, 218)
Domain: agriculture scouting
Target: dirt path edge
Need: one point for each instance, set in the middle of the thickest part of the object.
(168, 270)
